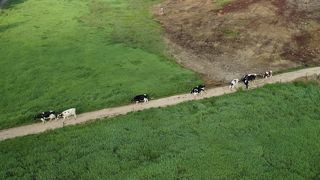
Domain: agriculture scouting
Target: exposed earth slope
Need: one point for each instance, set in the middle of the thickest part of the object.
(225, 40)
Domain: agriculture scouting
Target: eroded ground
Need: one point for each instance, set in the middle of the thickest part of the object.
(243, 36)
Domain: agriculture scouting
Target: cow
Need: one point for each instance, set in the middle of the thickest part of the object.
(142, 98)
(249, 77)
(195, 91)
(198, 89)
(67, 113)
(233, 83)
(46, 115)
(201, 88)
(246, 82)
(161, 11)
(267, 74)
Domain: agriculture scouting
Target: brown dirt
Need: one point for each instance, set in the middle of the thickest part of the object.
(242, 37)
(168, 101)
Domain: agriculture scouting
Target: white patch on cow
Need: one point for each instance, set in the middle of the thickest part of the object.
(52, 117)
(67, 113)
(195, 92)
(43, 120)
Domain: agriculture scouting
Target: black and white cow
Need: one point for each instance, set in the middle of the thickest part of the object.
(47, 115)
(201, 88)
(249, 77)
(67, 113)
(246, 82)
(194, 91)
(267, 74)
(142, 98)
(233, 83)
(198, 89)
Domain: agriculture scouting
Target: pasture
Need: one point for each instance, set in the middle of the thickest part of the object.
(55, 55)
(267, 133)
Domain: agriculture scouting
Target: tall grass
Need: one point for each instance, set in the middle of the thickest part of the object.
(268, 133)
(83, 54)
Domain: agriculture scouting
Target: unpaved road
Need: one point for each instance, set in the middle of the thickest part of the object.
(172, 100)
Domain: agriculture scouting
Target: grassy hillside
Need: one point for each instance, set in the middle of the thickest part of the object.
(271, 132)
(84, 54)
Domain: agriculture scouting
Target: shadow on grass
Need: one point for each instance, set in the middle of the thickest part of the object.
(3, 28)
(7, 4)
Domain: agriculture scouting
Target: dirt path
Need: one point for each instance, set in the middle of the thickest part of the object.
(168, 101)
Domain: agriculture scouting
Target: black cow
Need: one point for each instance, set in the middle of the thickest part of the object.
(143, 98)
(198, 89)
(43, 116)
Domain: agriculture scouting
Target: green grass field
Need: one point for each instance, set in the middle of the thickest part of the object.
(268, 133)
(84, 54)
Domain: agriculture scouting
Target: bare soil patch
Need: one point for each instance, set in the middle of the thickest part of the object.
(243, 36)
